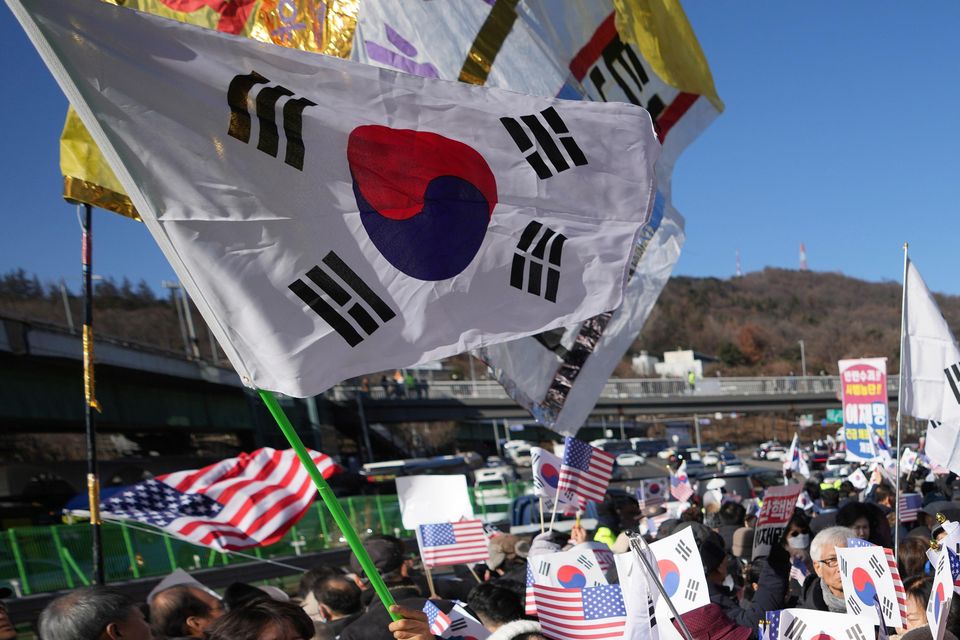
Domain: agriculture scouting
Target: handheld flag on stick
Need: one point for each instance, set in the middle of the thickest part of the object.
(447, 544)
(795, 461)
(584, 472)
(248, 501)
(869, 574)
(680, 483)
(941, 596)
(596, 613)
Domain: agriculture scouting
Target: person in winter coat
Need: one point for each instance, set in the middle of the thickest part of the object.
(824, 591)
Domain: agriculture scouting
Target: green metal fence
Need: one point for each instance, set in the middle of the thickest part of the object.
(49, 558)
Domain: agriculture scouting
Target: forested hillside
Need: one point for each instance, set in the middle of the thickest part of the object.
(751, 324)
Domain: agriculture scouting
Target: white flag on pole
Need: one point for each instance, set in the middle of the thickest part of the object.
(795, 461)
(930, 370)
(330, 218)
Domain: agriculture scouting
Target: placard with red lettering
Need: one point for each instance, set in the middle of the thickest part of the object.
(864, 389)
(777, 509)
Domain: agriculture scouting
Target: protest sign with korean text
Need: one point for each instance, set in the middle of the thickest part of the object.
(778, 505)
(864, 389)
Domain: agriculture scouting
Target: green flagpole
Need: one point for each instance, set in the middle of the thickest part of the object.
(333, 505)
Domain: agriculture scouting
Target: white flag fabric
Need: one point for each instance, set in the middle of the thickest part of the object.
(570, 50)
(330, 218)
(941, 597)
(681, 572)
(806, 624)
(868, 576)
(639, 597)
(930, 370)
(795, 461)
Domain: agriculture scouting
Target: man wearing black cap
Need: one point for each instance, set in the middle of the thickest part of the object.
(7, 632)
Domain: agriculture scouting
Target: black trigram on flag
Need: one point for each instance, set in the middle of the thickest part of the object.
(267, 99)
(691, 592)
(683, 550)
(887, 607)
(856, 633)
(458, 625)
(347, 291)
(651, 611)
(544, 568)
(854, 606)
(545, 255)
(877, 566)
(843, 566)
(953, 377)
(795, 629)
(584, 561)
(545, 142)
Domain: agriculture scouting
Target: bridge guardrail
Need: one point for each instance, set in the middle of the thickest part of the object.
(615, 388)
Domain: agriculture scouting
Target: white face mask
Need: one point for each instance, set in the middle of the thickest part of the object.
(801, 541)
(728, 582)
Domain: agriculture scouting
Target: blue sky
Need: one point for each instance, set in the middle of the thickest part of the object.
(840, 131)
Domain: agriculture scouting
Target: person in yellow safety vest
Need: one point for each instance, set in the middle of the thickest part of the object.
(692, 379)
(616, 513)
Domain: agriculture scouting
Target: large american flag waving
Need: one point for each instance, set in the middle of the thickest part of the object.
(241, 502)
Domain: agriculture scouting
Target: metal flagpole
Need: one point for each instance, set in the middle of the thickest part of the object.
(903, 336)
(638, 544)
(89, 393)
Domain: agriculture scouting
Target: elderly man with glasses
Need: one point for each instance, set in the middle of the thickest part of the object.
(824, 591)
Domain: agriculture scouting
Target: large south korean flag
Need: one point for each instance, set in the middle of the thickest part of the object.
(330, 218)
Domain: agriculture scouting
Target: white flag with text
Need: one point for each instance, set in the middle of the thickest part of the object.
(330, 218)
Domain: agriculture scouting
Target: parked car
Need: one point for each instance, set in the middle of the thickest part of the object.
(730, 463)
(711, 458)
(630, 459)
(776, 453)
(742, 484)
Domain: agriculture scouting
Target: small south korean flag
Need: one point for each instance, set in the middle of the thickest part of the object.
(869, 580)
(681, 572)
(938, 606)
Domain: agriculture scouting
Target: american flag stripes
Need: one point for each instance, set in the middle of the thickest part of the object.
(910, 504)
(585, 471)
(445, 544)
(897, 582)
(437, 619)
(241, 502)
(680, 483)
(591, 613)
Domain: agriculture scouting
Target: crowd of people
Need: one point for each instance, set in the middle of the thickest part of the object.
(332, 602)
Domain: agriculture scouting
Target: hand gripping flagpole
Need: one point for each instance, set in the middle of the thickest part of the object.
(903, 336)
(639, 544)
(330, 500)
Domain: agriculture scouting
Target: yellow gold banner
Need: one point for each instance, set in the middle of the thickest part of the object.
(309, 25)
(488, 42)
(660, 29)
(89, 387)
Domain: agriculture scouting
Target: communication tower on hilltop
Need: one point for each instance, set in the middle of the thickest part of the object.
(739, 268)
(803, 258)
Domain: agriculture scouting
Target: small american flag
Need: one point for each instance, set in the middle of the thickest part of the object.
(798, 570)
(585, 471)
(445, 544)
(248, 501)
(910, 504)
(437, 619)
(530, 603)
(593, 613)
(680, 484)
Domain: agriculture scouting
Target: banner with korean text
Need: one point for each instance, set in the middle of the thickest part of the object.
(864, 390)
(777, 509)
